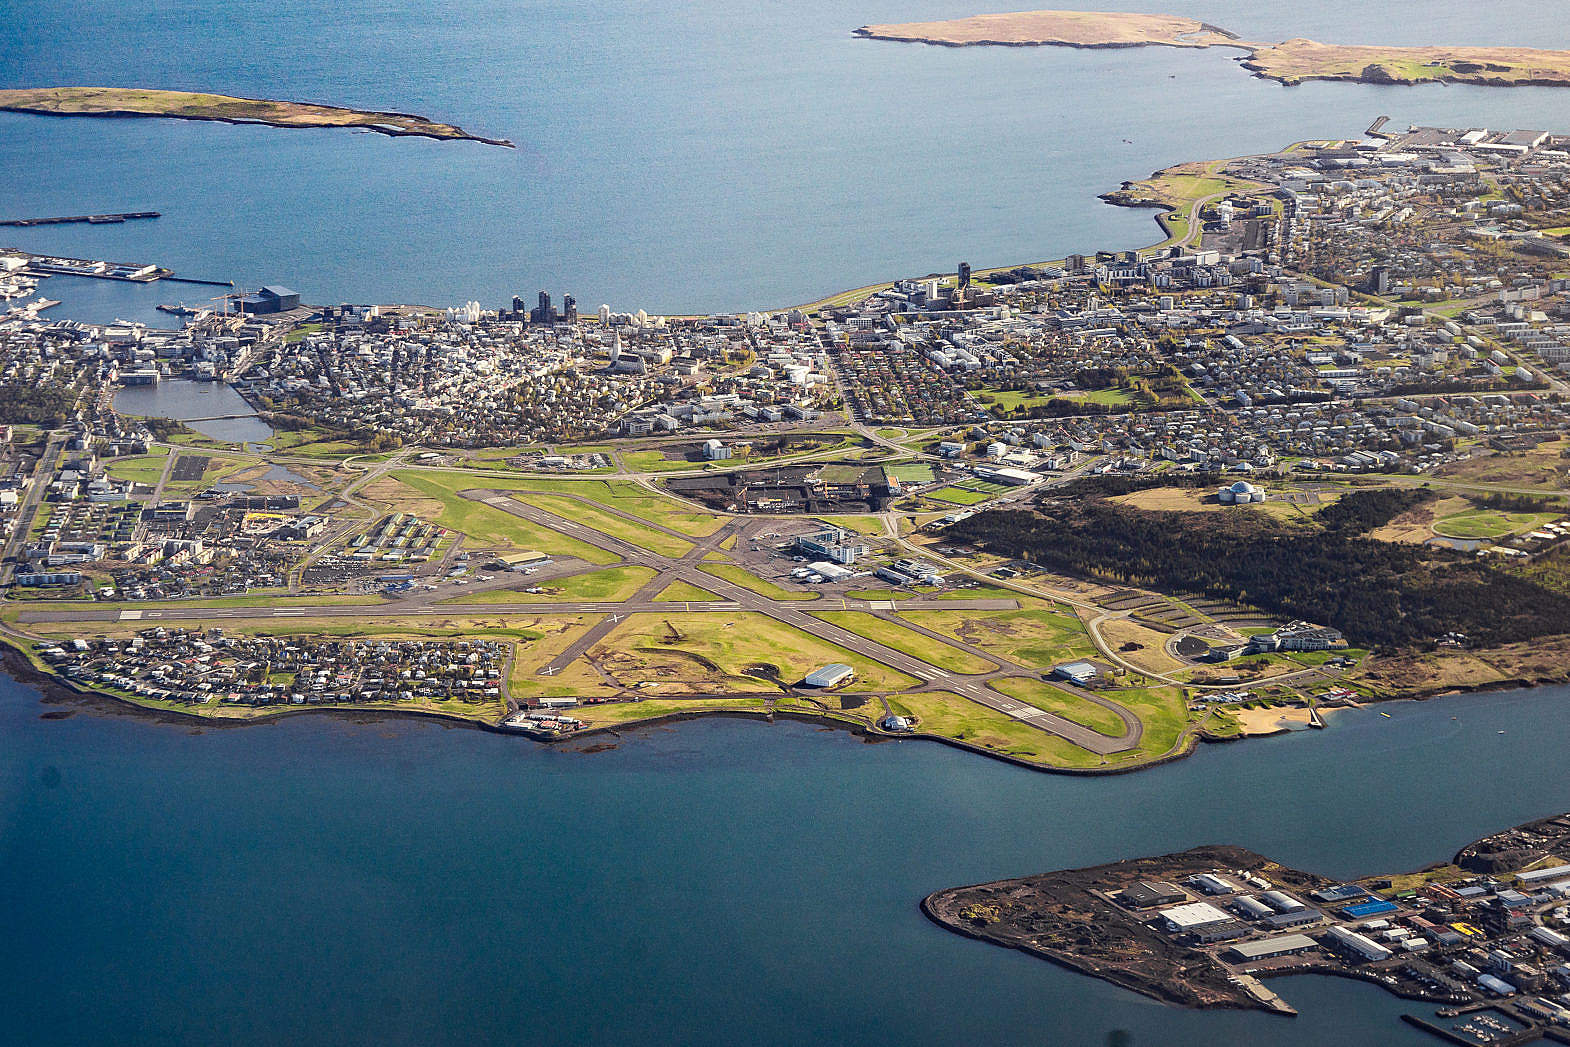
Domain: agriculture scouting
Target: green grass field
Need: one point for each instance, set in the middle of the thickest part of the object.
(488, 525)
(715, 651)
(890, 634)
(608, 586)
(608, 523)
(683, 592)
(1031, 636)
(1054, 700)
(872, 526)
(747, 580)
(950, 716)
(1490, 523)
(958, 496)
(141, 468)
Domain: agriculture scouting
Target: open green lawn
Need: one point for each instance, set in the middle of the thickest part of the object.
(487, 525)
(1055, 700)
(1162, 711)
(1490, 523)
(683, 592)
(1031, 636)
(747, 580)
(655, 462)
(611, 713)
(950, 716)
(739, 652)
(140, 468)
(911, 472)
(1314, 659)
(608, 523)
(867, 525)
(958, 496)
(608, 586)
(312, 442)
(622, 495)
(893, 635)
(1008, 400)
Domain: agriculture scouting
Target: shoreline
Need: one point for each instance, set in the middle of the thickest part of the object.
(16, 663)
(1374, 64)
(1074, 919)
(364, 119)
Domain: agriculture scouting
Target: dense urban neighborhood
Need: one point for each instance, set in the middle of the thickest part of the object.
(1083, 514)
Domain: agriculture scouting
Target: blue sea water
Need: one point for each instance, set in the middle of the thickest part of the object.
(322, 882)
(674, 157)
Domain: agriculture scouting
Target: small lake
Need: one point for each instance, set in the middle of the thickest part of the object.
(213, 409)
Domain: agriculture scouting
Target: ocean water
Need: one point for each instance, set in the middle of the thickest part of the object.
(317, 881)
(674, 157)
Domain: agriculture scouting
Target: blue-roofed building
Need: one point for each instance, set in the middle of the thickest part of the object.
(1362, 910)
(1344, 892)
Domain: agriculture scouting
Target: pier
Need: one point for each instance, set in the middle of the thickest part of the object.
(87, 219)
(53, 265)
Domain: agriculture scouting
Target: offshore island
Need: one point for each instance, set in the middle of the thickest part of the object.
(1486, 934)
(184, 105)
(1289, 62)
(1310, 450)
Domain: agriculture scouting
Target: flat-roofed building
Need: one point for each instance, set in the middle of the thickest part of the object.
(830, 676)
(1270, 948)
(1193, 915)
(1147, 894)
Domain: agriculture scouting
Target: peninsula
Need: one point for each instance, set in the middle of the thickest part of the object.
(185, 105)
(1290, 62)
(1081, 515)
(1483, 934)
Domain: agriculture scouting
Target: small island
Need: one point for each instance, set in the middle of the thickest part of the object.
(185, 105)
(1056, 29)
(1482, 934)
(1290, 62)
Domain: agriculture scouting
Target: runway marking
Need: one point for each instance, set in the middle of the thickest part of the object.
(130, 616)
(287, 614)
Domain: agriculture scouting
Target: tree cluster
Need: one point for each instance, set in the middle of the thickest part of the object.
(1378, 594)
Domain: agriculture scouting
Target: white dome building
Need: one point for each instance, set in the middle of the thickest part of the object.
(1240, 493)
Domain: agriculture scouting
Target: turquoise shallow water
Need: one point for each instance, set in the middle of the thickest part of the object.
(675, 157)
(316, 881)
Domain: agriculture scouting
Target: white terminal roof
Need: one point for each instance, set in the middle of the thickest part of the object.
(1194, 914)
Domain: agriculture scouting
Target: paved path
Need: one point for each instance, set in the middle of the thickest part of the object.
(932, 677)
(669, 570)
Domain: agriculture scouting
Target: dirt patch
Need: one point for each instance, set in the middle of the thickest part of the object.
(1542, 661)
(1274, 720)
(1415, 526)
